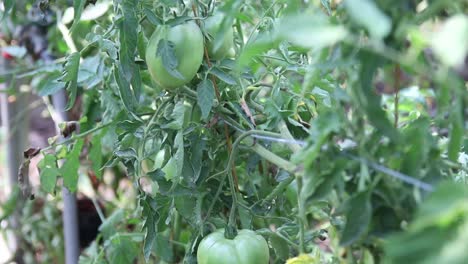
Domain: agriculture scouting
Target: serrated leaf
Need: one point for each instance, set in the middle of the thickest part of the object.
(178, 157)
(205, 97)
(368, 100)
(123, 250)
(163, 248)
(358, 218)
(280, 246)
(129, 153)
(78, 6)
(439, 231)
(108, 227)
(223, 76)
(184, 205)
(166, 50)
(69, 169)
(152, 17)
(95, 154)
(125, 92)
(128, 38)
(150, 225)
(48, 173)
(50, 85)
(176, 117)
(70, 77)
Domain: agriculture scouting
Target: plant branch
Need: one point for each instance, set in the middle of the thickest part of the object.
(215, 85)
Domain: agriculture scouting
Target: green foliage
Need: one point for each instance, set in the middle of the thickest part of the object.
(327, 132)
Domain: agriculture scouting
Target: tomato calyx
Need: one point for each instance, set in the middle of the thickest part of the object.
(230, 232)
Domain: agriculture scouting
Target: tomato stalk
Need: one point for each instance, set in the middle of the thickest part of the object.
(77, 136)
(146, 130)
(215, 85)
(301, 214)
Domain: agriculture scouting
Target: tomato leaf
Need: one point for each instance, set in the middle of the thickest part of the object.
(95, 154)
(125, 91)
(205, 97)
(151, 16)
(124, 249)
(280, 246)
(223, 76)
(166, 50)
(69, 169)
(176, 120)
(128, 45)
(50, 85)
(70, 77)
(368, 100)
(48, 173)
(150, 226)
(357, 219)
(78, 6)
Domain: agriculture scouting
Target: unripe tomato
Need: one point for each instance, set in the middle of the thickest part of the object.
(226, 49)
(188, 48)
(246, 248)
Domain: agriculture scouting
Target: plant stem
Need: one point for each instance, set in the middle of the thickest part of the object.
(273, 158)
(278, 189)
(397, 76)
(218, 96)
(283, 128)
(77, 136)
(301, 215)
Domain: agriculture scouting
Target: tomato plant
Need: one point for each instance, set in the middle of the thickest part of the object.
(246, 247)
(336, 134)
(185, 43)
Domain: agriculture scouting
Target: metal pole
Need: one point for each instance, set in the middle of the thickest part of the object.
(70, 214)
(16, 143)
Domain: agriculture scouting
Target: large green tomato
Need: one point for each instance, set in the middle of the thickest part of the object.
(246, 248)
(226, 49)
(187, 41)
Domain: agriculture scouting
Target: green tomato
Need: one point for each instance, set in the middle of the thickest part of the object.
(188, 48)
(226, 49)
(246, 248)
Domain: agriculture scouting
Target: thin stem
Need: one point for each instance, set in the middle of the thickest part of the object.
(98, 209)
(278, 189)
(283, 128)
(397, 75)
(301, 215)
(273, 158)
(77, 136)
(232, 213)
